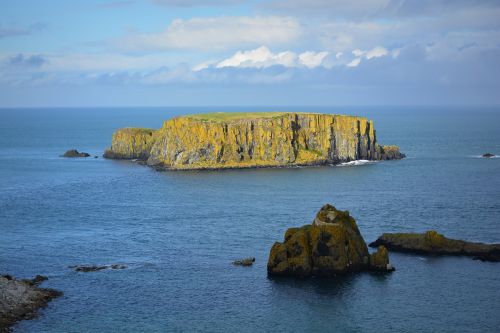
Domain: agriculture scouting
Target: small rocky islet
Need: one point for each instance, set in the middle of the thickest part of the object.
(96, 268)
(331, 245)
(244, 262)
(433, 243)
(251, 140)
(72, 153)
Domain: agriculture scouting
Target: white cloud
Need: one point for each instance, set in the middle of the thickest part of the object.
(202, 66)
(358, 53)
(354, 63)
(262, 57)
(376, 52)
(312, 59)
(215, 33)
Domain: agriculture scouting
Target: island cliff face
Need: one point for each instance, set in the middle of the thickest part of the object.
(232, 140)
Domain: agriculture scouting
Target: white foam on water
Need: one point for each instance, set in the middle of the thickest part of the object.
(356, 163)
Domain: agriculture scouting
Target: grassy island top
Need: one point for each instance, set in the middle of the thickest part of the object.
(235, 116)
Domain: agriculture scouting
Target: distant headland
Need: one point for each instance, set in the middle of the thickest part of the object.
(252, 140)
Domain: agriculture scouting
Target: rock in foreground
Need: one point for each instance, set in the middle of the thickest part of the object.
(20, 299)
(330, 246)
(251, 140)
(434, 243)
(75, 153)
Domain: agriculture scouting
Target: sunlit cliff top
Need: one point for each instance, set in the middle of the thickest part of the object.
(236, 116)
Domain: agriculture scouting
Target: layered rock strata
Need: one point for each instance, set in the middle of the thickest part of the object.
(245, 140)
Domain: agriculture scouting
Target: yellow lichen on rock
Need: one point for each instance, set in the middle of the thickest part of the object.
(131, 143)
(232, 140)
(331, 245)
(380, 260)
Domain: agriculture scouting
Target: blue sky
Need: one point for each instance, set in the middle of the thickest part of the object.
(234, 52)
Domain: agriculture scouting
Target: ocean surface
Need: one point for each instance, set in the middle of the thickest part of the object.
(180, 231)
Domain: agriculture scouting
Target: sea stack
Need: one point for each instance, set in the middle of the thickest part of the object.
(332, 245)
(252, 140)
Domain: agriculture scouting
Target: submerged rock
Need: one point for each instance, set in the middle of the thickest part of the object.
(75, 153)
(252, 140)
(331, 245)
(488, 155)
(21, 299)
(244, 262)
(95, 268)
(434, 243)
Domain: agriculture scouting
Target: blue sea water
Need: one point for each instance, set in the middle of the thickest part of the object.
(179, 231)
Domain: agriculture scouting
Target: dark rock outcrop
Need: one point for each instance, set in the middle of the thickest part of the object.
(95, 268)
(390, 153)
(21, 299)
(330, 246)
(488, 155)
(379, 261)
(244, 262)
(433, 243)
(75, 153)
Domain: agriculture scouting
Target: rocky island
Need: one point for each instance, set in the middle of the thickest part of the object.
(433, 243)
(251, 140)
(75, 153)
(331, 245)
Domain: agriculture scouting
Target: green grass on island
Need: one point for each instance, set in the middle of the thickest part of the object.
(235, 116)
(227, 116)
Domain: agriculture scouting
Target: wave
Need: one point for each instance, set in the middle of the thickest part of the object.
(356, 163)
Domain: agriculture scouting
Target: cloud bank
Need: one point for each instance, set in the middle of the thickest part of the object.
(215, 33)
(373, 48)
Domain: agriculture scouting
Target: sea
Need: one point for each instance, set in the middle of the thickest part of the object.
(179, 231)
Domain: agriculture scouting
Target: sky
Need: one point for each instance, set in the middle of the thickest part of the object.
(234, 52)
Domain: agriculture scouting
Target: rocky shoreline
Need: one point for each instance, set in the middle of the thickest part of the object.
(319, 164)
(21, 299)
(433, 243)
